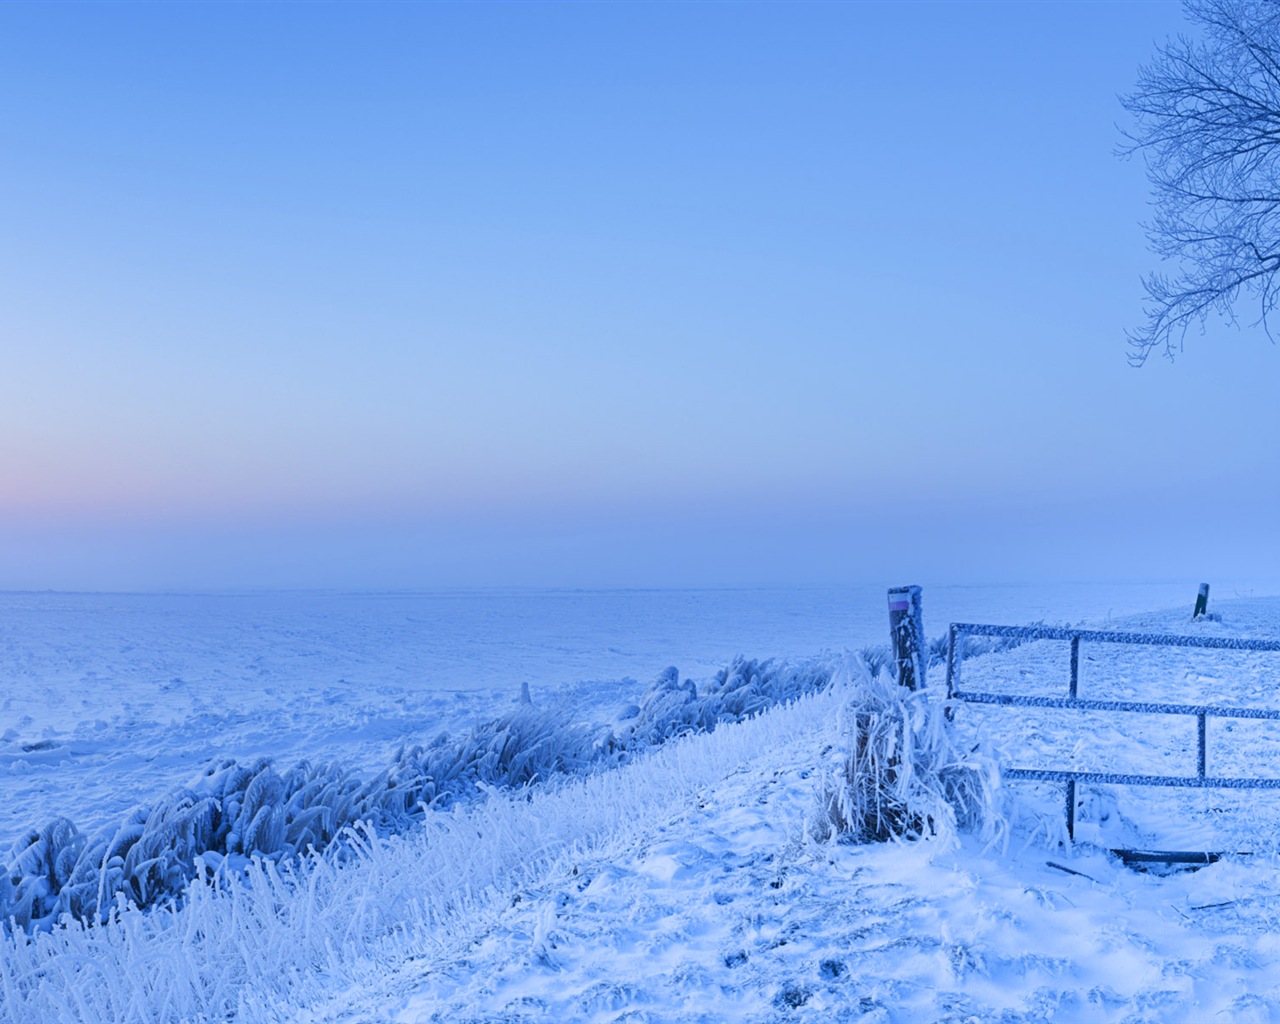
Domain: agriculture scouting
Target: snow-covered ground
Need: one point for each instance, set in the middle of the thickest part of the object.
(109, 700)
(684, 885)
(721, 911)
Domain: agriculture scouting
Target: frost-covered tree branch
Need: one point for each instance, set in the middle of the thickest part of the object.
(1207, 120)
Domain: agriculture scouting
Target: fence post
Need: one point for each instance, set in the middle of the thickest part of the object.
(906, 630)
(1075, 666)
(1202, 602)
(1071, 810)
(953, 662)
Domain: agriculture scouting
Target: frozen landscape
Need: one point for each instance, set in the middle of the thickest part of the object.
(110, 699)
(687, 877)
(452, 461)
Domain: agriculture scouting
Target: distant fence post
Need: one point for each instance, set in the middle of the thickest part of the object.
(906, 630)
(1202, 602)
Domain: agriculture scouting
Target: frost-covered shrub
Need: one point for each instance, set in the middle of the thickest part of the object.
(42, 863)
(900, 775)
(668, 708)
(747, 687)
(740, 690)
(517, 749)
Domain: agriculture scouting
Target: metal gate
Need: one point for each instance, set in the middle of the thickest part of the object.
(1203, 778)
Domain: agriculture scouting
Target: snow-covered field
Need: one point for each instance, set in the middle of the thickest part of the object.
(109, 700)
(685, 884)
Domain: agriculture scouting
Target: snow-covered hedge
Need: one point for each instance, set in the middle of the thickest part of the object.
(234, 812)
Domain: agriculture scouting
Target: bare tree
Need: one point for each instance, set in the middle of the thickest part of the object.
(1207, 116)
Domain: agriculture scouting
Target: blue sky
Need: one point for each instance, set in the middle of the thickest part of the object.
(576, 294)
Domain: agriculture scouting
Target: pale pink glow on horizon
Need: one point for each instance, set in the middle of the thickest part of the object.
(608, 293)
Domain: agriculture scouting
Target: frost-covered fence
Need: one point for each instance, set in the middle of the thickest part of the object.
(960, 632)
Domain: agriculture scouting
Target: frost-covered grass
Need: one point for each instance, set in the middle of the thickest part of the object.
(900, 774)
(278, 936)
(283, 932)
(232, 812)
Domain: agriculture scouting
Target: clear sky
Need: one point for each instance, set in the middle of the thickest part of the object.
(416, 295)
